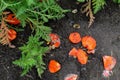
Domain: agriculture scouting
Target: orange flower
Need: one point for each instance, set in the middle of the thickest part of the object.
(12, 19)
(12, 34)
(75, 37)
(89, 43)
(73, 52)
(54, 66)
(82, 56)
(55, 40)
(109, 62)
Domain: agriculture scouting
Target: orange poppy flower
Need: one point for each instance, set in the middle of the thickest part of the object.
(109, 62)
(12, 19)
(75, 37)
(71, 77)
(12, 34)
(73, 52)
(82, 56)
(55, 40)
(89, 42)
(54, 66)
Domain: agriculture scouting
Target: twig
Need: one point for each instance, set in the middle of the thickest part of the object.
(86, 8)
(4, 37)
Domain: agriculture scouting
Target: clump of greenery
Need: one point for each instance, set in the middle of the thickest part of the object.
(92, 7)
(35, 13)
(33, 51)
(33, 10)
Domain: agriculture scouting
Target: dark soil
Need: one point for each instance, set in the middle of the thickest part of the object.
(106, 31)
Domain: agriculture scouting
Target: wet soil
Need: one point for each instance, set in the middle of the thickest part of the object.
(106, 31)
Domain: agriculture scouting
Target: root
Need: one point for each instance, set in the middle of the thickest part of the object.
(86, 8)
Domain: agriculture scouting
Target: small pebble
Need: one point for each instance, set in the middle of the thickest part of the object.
(8, 67)
(74, 11)
(76, 26)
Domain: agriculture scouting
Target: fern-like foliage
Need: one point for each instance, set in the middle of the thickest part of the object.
(98, 5)
(33, 9)
(34, 13)
(43, 32)
(33, 52)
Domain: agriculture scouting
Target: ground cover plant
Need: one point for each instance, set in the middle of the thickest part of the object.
(33, 13)
(70, 52)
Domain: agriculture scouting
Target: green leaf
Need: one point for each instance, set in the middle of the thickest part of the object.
(30, 2)
(45, 19)
(21, 11)
(43, 32)
(98, 5)
(35, 14)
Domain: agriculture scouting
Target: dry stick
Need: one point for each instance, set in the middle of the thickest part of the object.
(86, 8)
(5, 13)
(4, 34)
(90, 15)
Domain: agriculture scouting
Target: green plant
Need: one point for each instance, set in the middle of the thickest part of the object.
(91, 7)
(34, 13)
(33, 51)
(33, 10)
